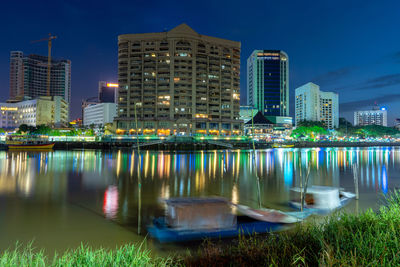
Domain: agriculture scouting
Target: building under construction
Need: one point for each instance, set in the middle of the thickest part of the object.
(28, 76)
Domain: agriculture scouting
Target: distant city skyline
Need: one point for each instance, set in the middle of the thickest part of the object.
(351, 48)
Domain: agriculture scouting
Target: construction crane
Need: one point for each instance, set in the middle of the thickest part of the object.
(48, 39)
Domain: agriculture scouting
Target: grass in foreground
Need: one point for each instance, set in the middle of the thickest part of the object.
(128, 255)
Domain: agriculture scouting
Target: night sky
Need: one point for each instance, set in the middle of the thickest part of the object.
(350, 47)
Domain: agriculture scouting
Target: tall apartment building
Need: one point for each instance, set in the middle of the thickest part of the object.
(108, 92)
(180, 81)
(268, 82)
(315, 105)
(376, 116)
(28, 76)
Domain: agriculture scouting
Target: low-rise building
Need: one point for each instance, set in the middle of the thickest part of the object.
(99, 114)
(247, 112)
(43, 110)
(262, 127)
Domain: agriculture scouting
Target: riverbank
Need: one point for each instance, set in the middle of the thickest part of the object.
(206, 145)
(369, 238)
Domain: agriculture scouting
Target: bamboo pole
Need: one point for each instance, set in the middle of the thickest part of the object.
(305, 186)
(301, 186)
(355, 176)
(254, 159)
(139, 177)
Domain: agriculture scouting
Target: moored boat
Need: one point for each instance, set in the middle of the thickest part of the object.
(21, 142)
(244, 226)
(273, 216)
(189, 219)
(31, 146)
(281, 145)
(320, 199)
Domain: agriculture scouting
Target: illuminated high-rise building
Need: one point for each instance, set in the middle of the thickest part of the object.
(311, 104)
(181, 82)
(28, 76)
(268, 82)
(108, 92)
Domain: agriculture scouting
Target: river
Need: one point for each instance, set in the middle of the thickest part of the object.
(59, 199)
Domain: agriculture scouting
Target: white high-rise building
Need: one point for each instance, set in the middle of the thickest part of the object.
(311, 104)
(371, 117)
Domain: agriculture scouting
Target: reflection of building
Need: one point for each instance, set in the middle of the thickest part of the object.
(268, 82)
(99, 114)
(108, 92)
(180, 81)
(28, 76)
(371, 117)
(315, 105)
(43, 110)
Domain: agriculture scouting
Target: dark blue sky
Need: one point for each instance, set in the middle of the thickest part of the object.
(351, 47)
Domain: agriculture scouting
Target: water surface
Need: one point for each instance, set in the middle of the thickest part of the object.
(104, 198)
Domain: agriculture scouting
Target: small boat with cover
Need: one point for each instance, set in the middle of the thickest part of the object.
(189, 219)
(320, 199)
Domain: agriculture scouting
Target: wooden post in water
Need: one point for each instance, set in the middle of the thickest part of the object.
(254, 159)
(305, 186)
(301, 187)
(355, 175)
(139, 177)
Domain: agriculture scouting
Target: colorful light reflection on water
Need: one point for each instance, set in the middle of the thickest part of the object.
(106, 183)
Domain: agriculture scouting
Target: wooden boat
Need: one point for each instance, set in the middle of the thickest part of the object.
(244, 226)
(280, 145)
(273, 216)
(321, 199)
(32, 146)
(198, 218)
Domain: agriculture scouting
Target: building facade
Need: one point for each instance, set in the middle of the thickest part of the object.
(28, 76)
(311, 104)
(99, 114)
(108, 92)
(178, 82)
(43, 110)
(268, 82)
(371, 117)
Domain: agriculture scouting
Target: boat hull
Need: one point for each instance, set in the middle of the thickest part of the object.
(344, 200)
(245, 226)
(282, 145)
(31, 146)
